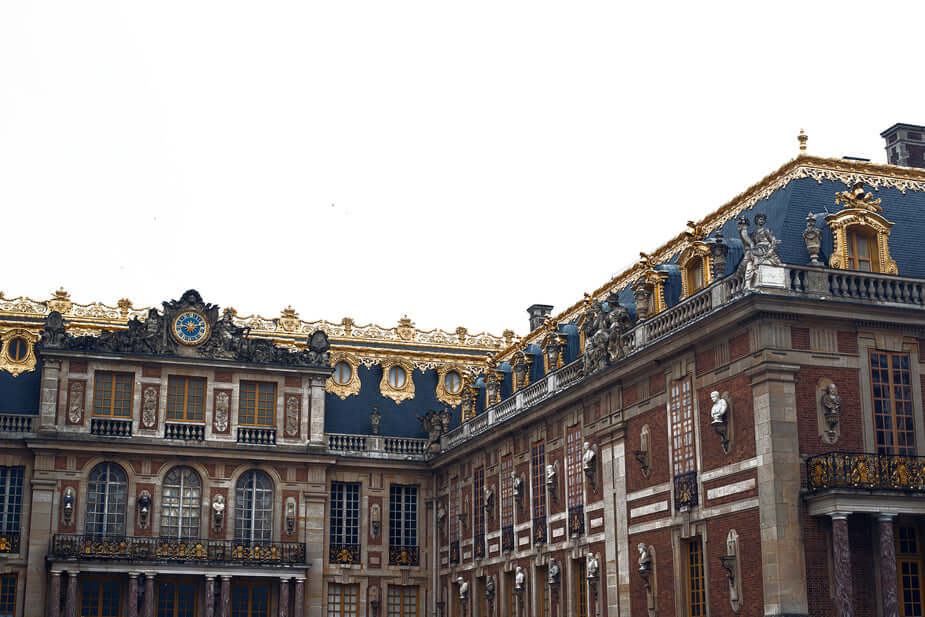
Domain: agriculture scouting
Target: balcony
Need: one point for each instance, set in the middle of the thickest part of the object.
(257, 436)
(404, 555)
(685, 490)
(163, 550)
(865, 471)
(9, 542)
(344, 554)
(184, 431)
(16, 423)
(378, 446)
(111, 427)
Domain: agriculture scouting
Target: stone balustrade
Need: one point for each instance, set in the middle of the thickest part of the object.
(16, 423)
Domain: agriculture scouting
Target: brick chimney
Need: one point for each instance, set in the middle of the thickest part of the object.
(538, 314)
(905, 145)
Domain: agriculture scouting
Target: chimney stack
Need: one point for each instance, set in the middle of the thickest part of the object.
(905, 145)
(538, 314)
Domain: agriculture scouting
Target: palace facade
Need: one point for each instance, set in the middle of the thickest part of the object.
(732, 426)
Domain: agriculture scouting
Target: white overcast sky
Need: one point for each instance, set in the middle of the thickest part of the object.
(456, 161)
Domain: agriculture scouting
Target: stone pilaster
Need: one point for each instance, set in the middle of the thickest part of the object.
(314, 541)
(615, 586)
(210, 596)
(284, 597)
(316, 421)
(842, 550)
(54, 594)
(224, 609)
(149, 595)
(70, 604)
(40, 524)
(777, 448)
(132, 594)
(48, 406)
(299, 602)
(888, 583)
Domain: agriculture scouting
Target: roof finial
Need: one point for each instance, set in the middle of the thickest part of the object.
(802, 137)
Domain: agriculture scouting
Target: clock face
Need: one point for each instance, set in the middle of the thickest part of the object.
(190, 328)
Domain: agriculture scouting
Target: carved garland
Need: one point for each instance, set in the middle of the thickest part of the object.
(397, 394)
(24, 364)
(353, 384)
(870, 221)
(687, 258)
(444, 395)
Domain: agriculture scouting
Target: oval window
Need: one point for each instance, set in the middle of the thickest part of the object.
(342, 373)
(397, 377)
(18, 349)
(452, 382)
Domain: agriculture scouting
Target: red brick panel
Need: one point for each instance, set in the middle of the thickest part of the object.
(799, 338)
(658, 449)
(138, 529)
(74, 484)
(220, 533)
(656, 384)
(738, 346)
(742, 444)
(706, 361)
(747, 526)
(663, 578)
(224, 376)
(850, 425)
(149, 370)
(77, 367)
(730, 479)
(847, 342)
(630, 395)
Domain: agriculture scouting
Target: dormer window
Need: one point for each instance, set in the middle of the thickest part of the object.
(860, 233)
(695, 274)
(696, 265)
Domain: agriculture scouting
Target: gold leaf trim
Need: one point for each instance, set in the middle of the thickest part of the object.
(352, 386)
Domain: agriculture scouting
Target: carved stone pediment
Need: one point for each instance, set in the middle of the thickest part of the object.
(191, 328)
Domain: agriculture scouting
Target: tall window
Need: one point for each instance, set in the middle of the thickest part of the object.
(581, 588)
(696, 596)
(507, 491)
(478, 489)
(454, 508)
(257, 404)
(862, 250)
(7, 595)
(682, 427)
(403, 515)
(250, 600)
(892, 401)
(576, 515)
(107, 491)
(176, 600)
(253, 507)
(345, 513)
(538, 477)
(543, 574)
(112, 394)
(909, 571)
(186, 398)
(403, 601)
(181, 503)
(11, 479)
(342, 600)
(99, 597)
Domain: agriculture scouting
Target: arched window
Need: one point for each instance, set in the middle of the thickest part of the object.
(107, 490)
(253, 507)
(181, 503)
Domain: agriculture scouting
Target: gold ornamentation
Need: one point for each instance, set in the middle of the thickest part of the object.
(406, 329)
(653, 281)
(24, 359)
(860, 210)
(60, 301)
(453, 399)
(289, 319)
(406, 391)
(686, 261)
(802, 138)
(353, 384)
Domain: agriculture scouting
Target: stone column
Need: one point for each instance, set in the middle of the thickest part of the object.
(224, 609)
(315, 501)
(299, 602)
(41, 522)
(133, 594)
(777, 446)
(149, 595)
(888, 584)
(284, 597)
(54, 594)
(842, 551)
(70, 606)
(210, 596)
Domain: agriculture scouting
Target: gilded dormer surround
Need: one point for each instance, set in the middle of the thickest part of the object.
(861, 234)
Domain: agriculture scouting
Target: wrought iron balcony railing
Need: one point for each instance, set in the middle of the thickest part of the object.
(404, 555)
(685, 490)
(507, 538)
(860, 470)
(576, 520)
(138, 549)
(9, 542)
(344, 554)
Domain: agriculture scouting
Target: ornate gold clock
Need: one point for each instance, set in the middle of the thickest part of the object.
(190, 328)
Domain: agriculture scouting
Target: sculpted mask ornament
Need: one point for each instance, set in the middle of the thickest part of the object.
(67, 501)
(218, 512)
(149, 407)
(75, 408)
(222, 404)
(292, 416)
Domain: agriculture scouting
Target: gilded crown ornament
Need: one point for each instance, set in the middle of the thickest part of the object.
(857, 197)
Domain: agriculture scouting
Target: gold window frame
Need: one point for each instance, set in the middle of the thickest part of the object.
(653, 281)
(352, 387)
(404, 393)
(445, 396)
(860, 209)
(17, 367)
(696, 250)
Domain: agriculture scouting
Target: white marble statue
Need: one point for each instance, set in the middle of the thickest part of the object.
(719, 409)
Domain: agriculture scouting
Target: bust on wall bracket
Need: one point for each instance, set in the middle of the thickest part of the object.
(721, 414)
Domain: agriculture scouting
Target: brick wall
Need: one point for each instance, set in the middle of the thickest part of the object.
(851, 438)
(660, 540)
(747, 525)
(658, 448)
(743, 423)
(738, 346)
